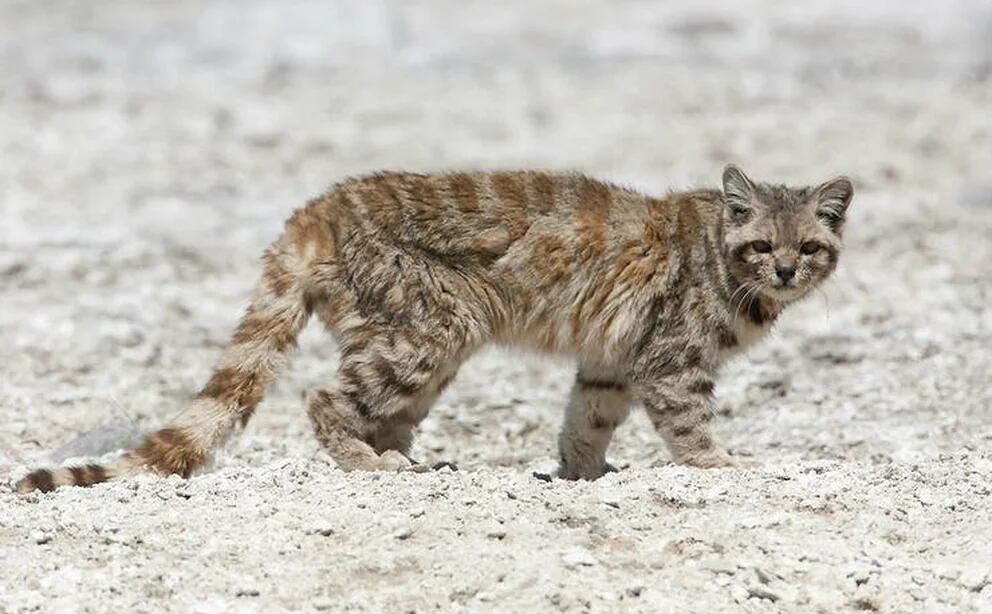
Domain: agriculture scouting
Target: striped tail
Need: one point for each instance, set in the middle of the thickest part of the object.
(279, 309)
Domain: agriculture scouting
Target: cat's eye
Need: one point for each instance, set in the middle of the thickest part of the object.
(762, 247)
(809, 247)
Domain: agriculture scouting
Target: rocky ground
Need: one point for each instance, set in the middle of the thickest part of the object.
(149, 151)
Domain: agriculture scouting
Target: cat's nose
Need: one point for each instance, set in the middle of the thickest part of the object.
(785, 272)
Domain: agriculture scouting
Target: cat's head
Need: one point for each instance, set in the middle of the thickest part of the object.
(781, 242)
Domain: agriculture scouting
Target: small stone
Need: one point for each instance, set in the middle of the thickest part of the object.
(41, 537)
(403, 534)
(498, 534)
(974, 579)
(739, 593)
(860, 576)
(762, 593)
(925, 496)
(949, 573)
(718, 566)
(578, 558)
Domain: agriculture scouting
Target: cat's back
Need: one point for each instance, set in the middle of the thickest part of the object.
(482, 212)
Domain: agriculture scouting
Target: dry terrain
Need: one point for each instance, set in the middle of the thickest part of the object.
(150, 150)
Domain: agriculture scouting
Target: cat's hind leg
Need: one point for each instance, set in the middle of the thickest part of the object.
(397, 433)
(384, 387)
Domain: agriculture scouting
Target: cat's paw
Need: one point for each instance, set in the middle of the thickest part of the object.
(391, 460)
(589, 473)
(710, 459)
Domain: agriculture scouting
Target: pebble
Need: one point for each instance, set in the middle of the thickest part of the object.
(762, 593)
(718, 566)
(40, 537)
(578, 558)
(949, 573)
(974, 579)
(739, 593)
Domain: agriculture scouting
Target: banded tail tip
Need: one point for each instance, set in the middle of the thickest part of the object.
(164, 452)
(47, 480)
(39, 479)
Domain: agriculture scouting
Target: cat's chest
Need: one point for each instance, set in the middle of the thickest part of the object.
(745, 335)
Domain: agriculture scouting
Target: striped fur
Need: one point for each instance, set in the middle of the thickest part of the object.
(413, 273)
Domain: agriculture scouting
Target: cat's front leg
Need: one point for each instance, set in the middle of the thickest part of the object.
(680, 406)
(599, 401)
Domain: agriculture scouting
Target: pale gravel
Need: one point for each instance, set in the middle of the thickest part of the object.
(149, 151)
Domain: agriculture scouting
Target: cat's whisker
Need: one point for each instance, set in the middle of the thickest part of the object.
(752, 290)
(736, 307)
(748, 288)
(826, 300)
(750, 295)
(753, 295)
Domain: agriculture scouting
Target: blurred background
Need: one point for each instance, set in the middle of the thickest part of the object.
(149, 151)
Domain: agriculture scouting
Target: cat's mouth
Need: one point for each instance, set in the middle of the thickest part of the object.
(785, 291)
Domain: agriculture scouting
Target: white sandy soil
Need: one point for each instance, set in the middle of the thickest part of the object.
(150, 150)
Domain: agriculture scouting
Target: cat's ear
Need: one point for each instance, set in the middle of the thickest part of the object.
(832, 200)
(738, 192)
